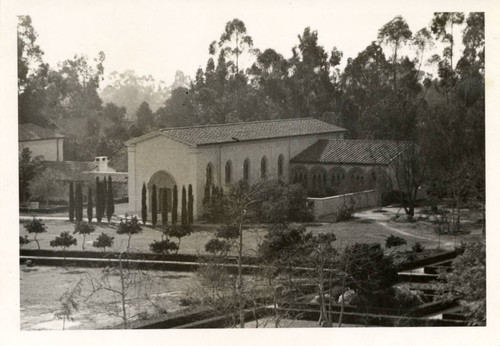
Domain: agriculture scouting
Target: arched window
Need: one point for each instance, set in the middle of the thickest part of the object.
(210, 179)
(280, 165)
(228, 171)
(246, 170)
(263, 168)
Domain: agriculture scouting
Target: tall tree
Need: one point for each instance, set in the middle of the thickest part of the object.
(90, 205)
(154, 207)
(312, 92)
(144, 207)
(71, 202)
(32, 74)
(184, 216)
(28, 168)
(190, 204)
(164, 209)
(45, 186)
(98, 200)
(174, 205)
(145, 119)
(395, 33)
(78, 202)
(443, 28)
(110, 201)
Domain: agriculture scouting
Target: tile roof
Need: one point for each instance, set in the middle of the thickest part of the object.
(351, 151)
(78, 127)
(245, 131)
(81, 170)
(30, 132)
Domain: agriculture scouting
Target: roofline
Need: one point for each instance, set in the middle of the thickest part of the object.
(273, 137)
(160, 132)
(339, 163)
(240, 123)
(144, 137)
(41, 139)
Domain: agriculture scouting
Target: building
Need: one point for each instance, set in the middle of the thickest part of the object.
(306, 150)
(86, 173)
(46, 143)
(221, 154)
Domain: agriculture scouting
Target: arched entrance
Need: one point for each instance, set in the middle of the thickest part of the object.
(164, 185)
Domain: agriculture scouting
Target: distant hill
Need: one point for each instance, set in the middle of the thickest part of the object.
(129, 90)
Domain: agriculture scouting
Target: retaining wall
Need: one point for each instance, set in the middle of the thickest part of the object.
(330, 205)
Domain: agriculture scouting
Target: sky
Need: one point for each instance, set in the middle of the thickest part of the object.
(157, 38)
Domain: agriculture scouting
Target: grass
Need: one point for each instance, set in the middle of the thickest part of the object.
(367, 226)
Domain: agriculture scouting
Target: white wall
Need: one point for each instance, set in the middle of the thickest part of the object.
(187, 164)
(330, 205)
(50, 149)
(159, 154)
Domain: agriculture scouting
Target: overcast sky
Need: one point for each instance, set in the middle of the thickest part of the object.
(159, 37)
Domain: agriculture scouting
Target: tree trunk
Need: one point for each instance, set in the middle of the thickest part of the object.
(240, 274)
(123, 293)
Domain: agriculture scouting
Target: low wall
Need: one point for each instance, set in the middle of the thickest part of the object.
(330, 205)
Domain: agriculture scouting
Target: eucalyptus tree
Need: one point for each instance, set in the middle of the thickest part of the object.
(395, 33)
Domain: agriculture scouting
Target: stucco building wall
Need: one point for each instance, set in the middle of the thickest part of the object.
(51, 149)
(188, 164)
(155, 155)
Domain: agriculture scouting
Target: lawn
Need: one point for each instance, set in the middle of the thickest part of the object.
(367, 226)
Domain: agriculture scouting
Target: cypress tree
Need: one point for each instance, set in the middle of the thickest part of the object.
(144, 207)
(206, 196)
(89, 205)
(104, 197)
(184, 207)
(110, 206)
(174, 206)
(164, 209)
(190, 204)
(78, 202)
(154, 208)
(71, 203)
(98, 208)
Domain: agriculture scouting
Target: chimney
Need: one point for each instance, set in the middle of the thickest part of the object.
(102, 163)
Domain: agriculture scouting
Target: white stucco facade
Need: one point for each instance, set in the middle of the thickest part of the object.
(50, 149)
(187, 164)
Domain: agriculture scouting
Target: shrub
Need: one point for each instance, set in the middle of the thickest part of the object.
(23, 240)
(83, 229)
(217, 246)
(178, 232)
(36, 226)
(369, 270)
(405, 298)
(417, 247)
(103, 241)
(64, 241)
(345, 211)
(130, 227)
(163, 247)
(394, 241)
